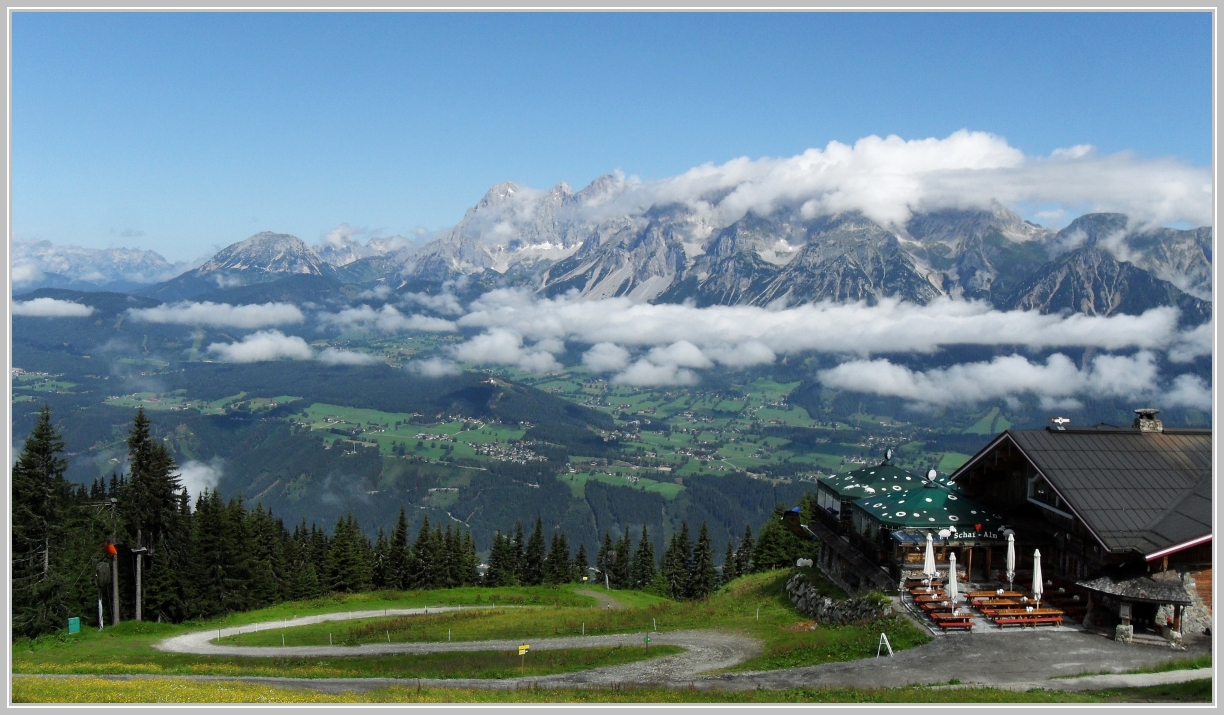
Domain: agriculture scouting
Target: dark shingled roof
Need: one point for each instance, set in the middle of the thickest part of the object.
(1158, 589)
(1140, 491)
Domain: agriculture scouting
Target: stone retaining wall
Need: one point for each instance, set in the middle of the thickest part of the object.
(829, 611)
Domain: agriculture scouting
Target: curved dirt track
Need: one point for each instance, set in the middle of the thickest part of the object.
(1021, 661)
(704, 650)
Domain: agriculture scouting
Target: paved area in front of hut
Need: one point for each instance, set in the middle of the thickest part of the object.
(1027, 659)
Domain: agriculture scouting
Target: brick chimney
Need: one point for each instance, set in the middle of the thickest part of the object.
(1147, 421)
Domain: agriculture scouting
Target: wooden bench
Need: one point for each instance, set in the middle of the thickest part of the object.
(1028, 620)
(967, 625)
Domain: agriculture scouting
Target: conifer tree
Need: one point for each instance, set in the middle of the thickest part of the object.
(398, 576)
(379, 566)
(517, 548)
(268, 563)
(557, 565)
(622, 562)
(581, 564)
(703, 579)
(776, 546)
(728, 571)
(603, 560)
(501, 563)
(643, 562)
(471, 572)
(743, 555)
(678, 562)
(533, 556)
(39, 495)
(423, 566)
(149, 505)
(346, 567)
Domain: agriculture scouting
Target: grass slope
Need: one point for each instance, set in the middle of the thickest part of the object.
(99, 690)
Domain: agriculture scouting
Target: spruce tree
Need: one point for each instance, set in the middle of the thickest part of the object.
(728, 571)
(40, 495)
(622, 562)
(379, 566)
(471, 571)
(501, 563)
(703, 579)
(643, 562)
(346, 567)
(678, 563)
(149, 505)
(603, 560)
(581, 564)
(557, 566)
(777, 547)
(743, 555)
(398, 576)
(423, 566)
(533, 556)
(518, 546)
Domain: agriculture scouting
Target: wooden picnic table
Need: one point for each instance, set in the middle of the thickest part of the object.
(937, 595)
(937, 606)
(995, 593)
(948, 620)
(995, 602)
(1024, 617)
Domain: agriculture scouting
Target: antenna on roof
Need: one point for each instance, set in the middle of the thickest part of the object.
(930, 478)
(887, 455)
(1060, 422)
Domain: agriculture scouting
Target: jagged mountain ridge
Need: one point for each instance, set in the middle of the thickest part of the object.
(43, 264)
(673, 253)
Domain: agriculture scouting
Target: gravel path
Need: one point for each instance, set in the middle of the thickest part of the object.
(1017, 660)
(604, 599)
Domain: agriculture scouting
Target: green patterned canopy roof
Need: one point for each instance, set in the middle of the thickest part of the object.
(934, 507)
(874, 481)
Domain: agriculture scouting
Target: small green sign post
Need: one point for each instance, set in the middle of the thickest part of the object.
(74, 625)
(646, 640)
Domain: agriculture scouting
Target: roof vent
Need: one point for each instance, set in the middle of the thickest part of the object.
(1059, 423)
(1147, 421)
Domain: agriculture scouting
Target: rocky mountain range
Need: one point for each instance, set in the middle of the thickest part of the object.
(604, 241)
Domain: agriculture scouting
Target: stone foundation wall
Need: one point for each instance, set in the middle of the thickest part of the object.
(828, 611)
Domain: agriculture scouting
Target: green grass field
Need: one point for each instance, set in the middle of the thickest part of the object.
(165, 690)
(545, 612)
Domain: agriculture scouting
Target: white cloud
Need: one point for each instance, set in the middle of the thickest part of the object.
(889, 178)
(606, 357)
(433, 367)
(378, 292)
(335, 356)
(505, 347)
(51, 308)
(26, 273)
(262, 346)
(1188, 391)
(196, 476)
(1193, 343)
(1057, 382)
(745, 354)
(445, 303)
(644, 373)
(387, 320)
(889, 326)
(220, 315)
(681, 353)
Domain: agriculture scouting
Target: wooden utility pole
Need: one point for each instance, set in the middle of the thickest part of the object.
(139, 552)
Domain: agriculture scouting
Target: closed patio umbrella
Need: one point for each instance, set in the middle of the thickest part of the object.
(928, 562)
(953, 591)
(1011, 560)
(1037, 576)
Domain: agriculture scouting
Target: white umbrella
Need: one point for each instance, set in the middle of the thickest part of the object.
(1037, 576)
(952, 590)
(928, 563)
(1011, 560)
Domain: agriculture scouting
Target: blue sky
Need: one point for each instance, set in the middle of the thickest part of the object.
(184, 132)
